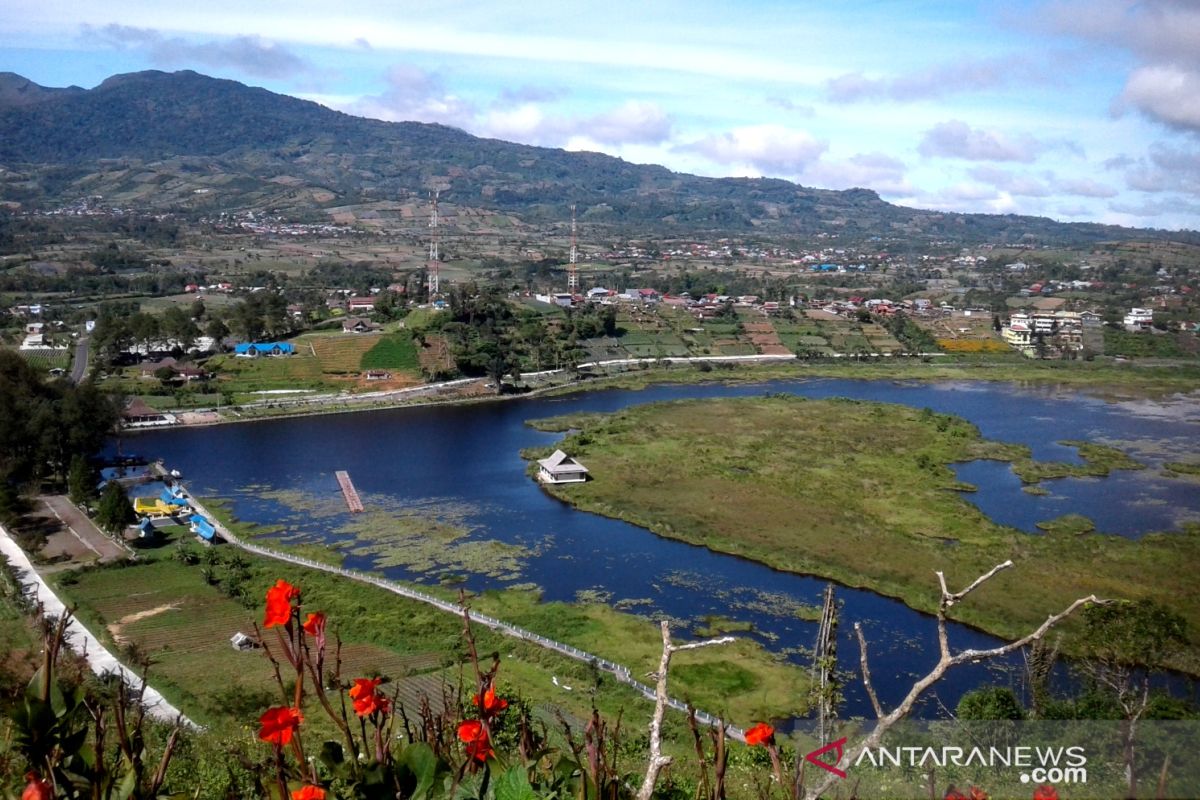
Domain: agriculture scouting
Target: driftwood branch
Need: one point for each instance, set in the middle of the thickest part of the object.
(946, 660)
(657, 760)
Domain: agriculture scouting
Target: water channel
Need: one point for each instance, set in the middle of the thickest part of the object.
(463, 461)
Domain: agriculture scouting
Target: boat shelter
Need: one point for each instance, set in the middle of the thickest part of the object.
(561, 468)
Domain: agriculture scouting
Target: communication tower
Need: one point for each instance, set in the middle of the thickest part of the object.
(573, 268)
(434, 257)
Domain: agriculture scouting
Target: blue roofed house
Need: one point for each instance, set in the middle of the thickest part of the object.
(256, 349)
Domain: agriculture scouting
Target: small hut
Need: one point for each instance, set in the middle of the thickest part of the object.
(561, 468)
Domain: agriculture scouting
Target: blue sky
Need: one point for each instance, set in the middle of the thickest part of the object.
(1081, 110)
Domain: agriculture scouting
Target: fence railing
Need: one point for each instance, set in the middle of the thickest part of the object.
(618, 671)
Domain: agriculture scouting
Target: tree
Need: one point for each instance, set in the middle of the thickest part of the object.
(81, 482)
(1119, 641)
(115, 510)
(990, 703)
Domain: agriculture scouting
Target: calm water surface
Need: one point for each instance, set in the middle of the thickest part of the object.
(467, 457)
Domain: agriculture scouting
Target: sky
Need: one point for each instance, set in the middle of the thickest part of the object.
(1079, 110)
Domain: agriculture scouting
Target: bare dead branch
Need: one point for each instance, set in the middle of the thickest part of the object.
(866, 671)
(657, 760)
(946, 660)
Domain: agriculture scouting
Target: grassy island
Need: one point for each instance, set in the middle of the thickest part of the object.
(862, 493)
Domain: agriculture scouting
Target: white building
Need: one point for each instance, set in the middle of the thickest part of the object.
(1139, 319)
(561, 468)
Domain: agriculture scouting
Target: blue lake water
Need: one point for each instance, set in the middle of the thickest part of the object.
(467, 457)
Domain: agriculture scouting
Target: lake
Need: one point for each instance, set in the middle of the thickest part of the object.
(460, 465)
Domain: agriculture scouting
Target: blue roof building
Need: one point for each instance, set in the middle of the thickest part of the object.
(252, 349)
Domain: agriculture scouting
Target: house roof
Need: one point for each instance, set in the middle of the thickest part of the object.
(137, 408)
(561, 462)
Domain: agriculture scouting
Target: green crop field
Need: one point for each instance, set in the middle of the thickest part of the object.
(395, 351)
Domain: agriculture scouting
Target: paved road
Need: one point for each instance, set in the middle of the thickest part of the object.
(83, 528)
(79, 367)
(80, 639)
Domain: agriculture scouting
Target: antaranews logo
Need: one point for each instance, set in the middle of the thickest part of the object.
(1057, 765)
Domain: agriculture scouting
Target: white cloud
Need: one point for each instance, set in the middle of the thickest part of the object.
(1166, 169)
(877, 171)
(1014, 184)
(957, 139)
(1168, 94)
(962, 75)
(414, 94)
(250, 55)
(761, 149)
(1084, 187)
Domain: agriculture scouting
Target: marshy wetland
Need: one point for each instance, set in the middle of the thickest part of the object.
(449, 501)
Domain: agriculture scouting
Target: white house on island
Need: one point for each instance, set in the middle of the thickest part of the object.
(561, 468)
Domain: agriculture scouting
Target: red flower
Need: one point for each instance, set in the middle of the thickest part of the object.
(278, 724)
(977, 794)
(475, 736)
(279, 603)
(37, 789)
(1045, 792)
(761, 734)
(314, 625)
(309, 793)
(492, 705)
(954, 794)
(366, 699)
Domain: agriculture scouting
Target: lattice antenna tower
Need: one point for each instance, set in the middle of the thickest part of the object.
(573, 267)
(434, 256)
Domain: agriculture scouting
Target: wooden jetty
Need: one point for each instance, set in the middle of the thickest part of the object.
(349, 492)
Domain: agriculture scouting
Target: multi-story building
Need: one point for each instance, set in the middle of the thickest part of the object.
(1053, 332)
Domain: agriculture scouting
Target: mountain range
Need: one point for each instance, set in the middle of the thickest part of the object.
(192, 144)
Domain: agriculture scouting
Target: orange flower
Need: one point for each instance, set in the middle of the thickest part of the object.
(474, 735)
(761, 734)
(309, 793)
(278, 724)
(977, 794)
(954, 794)
(37, 789)
(1045, 792)
(366, 699)
(492, 705)
(314, 626)
(279, 603)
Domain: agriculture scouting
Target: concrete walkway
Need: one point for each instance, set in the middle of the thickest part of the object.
(80, 639)
(84, 529)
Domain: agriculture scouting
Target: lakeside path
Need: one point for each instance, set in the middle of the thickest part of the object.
(84, 529)
(621, 673)
(81, 640)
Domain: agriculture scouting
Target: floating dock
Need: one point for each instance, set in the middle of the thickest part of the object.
(349, 492)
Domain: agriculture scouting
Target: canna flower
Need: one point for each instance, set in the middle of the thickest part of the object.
(954, 794)
(474, 735)
(366, 699)
(279, 724)
(761, 734)
(977, 794)
(36, 788)
(1045, 792)
(492, 705)
(309, 793)
(279, 604)
(314, 626)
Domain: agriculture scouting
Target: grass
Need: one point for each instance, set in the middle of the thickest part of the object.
(183, 623)
(395, 352)
(1182, 468)
(1098, 461)
(1112, 380)
(860, 493)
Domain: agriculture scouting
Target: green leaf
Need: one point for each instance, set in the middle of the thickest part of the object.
(514, 785)
(420, 758)
(128, 785)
